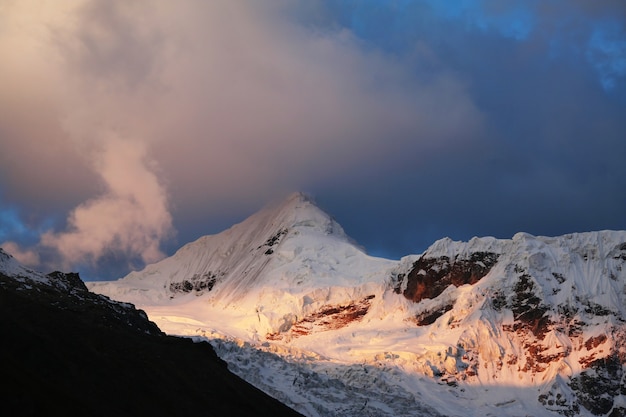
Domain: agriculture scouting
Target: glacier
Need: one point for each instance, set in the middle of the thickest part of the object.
(530, 325)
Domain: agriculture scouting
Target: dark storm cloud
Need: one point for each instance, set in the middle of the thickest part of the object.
(550, 161)
(124, 124)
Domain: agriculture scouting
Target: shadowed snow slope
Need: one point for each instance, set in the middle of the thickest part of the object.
(504, 327)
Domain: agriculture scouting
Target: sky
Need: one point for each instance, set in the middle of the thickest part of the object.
(129, 128)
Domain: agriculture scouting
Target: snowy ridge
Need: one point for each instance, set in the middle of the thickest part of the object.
(67, 291)
(29, 279)
(488, 326)
(9, 266)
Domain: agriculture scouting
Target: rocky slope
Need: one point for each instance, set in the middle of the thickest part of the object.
(503, 327)
(539, 311)
(67, 351)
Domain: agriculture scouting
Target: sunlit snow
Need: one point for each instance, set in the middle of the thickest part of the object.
(296, 308)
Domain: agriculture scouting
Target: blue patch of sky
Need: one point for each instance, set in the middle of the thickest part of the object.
(392, 22)
(14, 228)
(569, 35)
(11, 225)
(606, 52)
(516, 22)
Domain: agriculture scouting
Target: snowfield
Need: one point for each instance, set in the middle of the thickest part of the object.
(503, 327)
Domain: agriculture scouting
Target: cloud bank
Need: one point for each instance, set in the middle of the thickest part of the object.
(128, 128)
(207, 103)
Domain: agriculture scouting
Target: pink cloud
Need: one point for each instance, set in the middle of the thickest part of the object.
(223, 102)
(131, 215)
(28, 257)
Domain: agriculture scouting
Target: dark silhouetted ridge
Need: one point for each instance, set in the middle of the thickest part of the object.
(66, 351)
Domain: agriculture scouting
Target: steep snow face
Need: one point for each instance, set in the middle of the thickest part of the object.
(276, 265)
(499, 325)
(530, 311)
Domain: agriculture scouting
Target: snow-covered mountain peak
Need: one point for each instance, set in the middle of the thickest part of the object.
(528, 323)
(290, 244)
(297, 211)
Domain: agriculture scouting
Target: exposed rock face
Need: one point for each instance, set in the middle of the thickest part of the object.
(431, 276)
(274, 240)
(546, 313)
(428, 317)
(198, 283)
(599, 384)
(329, 317)
(70, 281)
(529, 311)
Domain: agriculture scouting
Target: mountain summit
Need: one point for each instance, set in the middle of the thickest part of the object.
(529, 325)
(290, 245)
